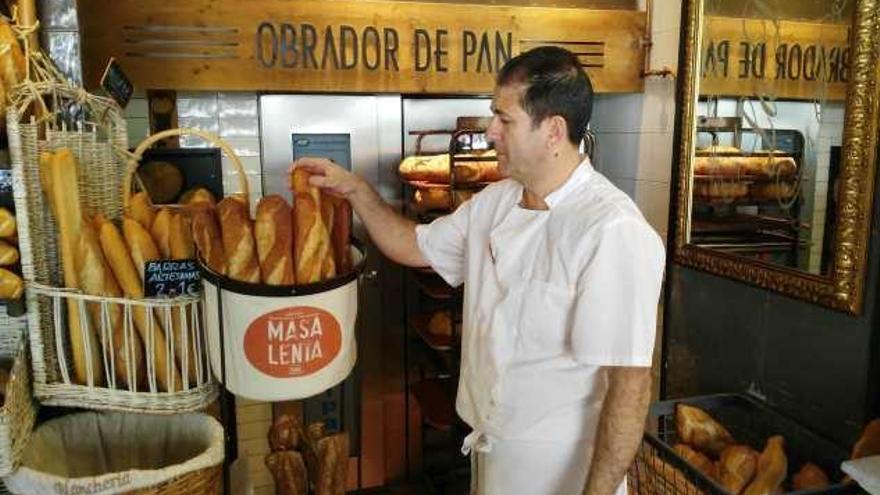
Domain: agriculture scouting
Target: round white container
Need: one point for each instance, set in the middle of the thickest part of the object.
(281, 342)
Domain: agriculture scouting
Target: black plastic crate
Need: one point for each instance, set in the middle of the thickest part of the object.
(658, 470)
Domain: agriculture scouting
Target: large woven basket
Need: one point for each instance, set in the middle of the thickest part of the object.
(120, 453)
(18, 412)
(94, 129)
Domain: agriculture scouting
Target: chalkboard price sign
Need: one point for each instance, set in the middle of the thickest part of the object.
(116, 83)
(172, 278)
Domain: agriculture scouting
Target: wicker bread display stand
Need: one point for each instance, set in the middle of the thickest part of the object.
(94, 129)
(19, 410)
(117, 453)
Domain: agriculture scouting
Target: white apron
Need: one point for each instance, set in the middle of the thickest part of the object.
(551, 297)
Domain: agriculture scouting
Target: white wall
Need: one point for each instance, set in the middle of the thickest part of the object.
(634, 131)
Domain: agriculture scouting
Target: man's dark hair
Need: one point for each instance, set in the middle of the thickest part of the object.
(555, 84)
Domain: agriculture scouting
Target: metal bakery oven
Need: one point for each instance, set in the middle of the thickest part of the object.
(368, 134)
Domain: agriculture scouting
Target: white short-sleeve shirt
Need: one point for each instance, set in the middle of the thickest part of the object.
(550, 296)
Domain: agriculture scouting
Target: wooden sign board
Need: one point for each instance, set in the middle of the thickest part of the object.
(784, 59)
(347, 46)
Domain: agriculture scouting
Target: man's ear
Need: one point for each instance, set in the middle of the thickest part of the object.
(557, 130)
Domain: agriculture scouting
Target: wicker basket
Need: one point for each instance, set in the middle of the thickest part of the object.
(119, 453)
(93, 128)
(18, 412)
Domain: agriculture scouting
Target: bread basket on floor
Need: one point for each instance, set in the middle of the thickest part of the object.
(119, 453)
(74, 363)
(18, 410)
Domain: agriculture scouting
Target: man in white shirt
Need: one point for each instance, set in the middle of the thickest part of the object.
(562, 276)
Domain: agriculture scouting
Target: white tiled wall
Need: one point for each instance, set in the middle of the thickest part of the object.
(234, 117)
(634, 131)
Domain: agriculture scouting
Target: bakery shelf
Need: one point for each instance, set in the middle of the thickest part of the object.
(436, 398)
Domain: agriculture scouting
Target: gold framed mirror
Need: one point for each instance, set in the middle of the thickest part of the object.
(777, 143)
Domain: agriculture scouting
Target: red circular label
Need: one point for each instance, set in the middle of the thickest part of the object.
(291, 342)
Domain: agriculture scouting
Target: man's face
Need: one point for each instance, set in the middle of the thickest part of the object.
(521, 147)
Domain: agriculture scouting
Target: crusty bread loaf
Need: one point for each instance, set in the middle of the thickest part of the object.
(475, 172)
(736, 467)
(183, 248)
(58, 174)
(8, 254)
(12, 63)
(129, 273)
(198, 196)
(810, 477)
(140, 244)
(209, 240)
(868, 443)
(697, 460)
(340, 235)
(97, 279)
(698, 429)
(289, 472)
(438, 199)
(772, 468)
(7, 223)
(181, 245)
(161, 232)
(428, 168)
(141, 209)
(11, 285)
(328, 216)
(311, 243)
(238, 240)
(274, 234)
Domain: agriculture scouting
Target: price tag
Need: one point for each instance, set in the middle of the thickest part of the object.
(172, 278)
(116, 83)
(5, 181)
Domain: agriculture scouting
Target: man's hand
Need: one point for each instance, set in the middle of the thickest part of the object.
(330, 177)
(621, 425)
(392, 233)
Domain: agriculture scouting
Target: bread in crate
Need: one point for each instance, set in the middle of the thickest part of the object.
(729, 465)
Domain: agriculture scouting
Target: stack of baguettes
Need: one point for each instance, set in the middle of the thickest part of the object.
(100, 259)
(306, 243)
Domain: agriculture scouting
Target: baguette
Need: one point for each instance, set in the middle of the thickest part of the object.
(328, 266)
(209, 240)
(11, 285)
(7, 223)
(198, 196)
(182, 248)
(238, 240)
(431, 168)
(161, 232)
(141, 209)
(8, 254)
(143, 249)
(311, 239)
(96, 279)
(340, 235)
(140, 244)
(59, 177)
(474, 172)
(274, 235)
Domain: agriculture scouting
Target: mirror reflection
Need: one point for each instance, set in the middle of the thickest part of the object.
(768, 132)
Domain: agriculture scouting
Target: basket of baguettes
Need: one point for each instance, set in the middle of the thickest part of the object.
(280, 292)
(96, 342)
